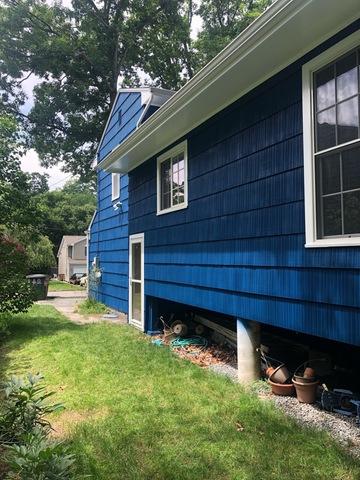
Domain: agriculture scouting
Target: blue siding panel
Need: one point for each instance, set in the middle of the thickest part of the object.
(109, 233)
(238, 248)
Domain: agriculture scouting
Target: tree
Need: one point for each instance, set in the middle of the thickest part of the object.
(16, 293)
(66, 211)
(40, 255)
(223, 20)
(17, 189)
(79, 55)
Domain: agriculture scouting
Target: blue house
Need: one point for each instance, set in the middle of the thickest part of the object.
(241, 194)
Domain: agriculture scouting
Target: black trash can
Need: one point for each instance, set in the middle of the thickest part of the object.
(40, 282)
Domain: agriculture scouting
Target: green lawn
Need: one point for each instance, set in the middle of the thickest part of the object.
(57, 286)
(136, 411)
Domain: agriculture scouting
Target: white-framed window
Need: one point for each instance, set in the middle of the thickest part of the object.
(172, 179)
(115, 186)
(331, 136)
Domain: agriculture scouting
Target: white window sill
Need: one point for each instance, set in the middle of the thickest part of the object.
(339, 242)
(181, 206)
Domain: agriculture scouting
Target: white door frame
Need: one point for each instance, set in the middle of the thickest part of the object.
(137, 238)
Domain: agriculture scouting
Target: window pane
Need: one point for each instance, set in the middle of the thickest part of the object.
(136, 261)
(326, 137)
(325, 88)
(352, 212)
(165, 201)
(332, 215)
(181, 177)
(175, 196)
(330, 174)
(351, 168)
(347, 81)
(136, 301)
(165, 177)
(348, 120)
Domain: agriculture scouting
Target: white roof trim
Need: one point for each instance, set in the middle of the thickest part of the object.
(155, 94)
(282, 34)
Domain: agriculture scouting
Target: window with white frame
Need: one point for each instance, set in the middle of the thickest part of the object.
(172, 179)
(331, 106)
(115, 186)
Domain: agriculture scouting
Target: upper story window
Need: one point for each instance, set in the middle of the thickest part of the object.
(172, 179)
(331, 105)
(115, 186)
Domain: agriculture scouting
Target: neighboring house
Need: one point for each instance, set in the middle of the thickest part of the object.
(243, 190)
(72, 256)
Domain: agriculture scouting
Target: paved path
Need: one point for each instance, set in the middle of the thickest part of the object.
(66, 303)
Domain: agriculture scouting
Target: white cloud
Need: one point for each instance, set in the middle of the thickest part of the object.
(30, 163)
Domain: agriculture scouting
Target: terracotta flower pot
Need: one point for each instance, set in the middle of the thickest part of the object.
(284, 389)
(269, 371)
(280, 374)
(301, 379)
(305, 392)
(309, 372)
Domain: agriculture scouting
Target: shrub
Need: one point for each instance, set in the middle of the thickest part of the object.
(39, 459)
(16, 294)
(25, 408)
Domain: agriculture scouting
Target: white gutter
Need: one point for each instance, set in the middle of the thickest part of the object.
(282, 34)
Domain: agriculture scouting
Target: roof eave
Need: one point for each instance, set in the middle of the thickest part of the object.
(282, 34)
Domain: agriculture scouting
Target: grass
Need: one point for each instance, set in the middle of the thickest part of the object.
(58, 286)
(136, 411)
(91, 306)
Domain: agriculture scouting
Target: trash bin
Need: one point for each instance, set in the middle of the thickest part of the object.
(40, 282)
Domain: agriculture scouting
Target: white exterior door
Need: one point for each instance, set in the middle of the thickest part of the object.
(136, 280)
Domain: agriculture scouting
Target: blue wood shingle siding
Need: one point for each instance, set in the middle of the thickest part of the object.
(109, 236)
(238, 248)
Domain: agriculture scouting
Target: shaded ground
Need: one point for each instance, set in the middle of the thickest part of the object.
(136, 411)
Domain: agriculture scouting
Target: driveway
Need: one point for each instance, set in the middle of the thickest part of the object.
(65, 302)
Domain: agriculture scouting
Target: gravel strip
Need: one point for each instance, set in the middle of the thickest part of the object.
(225, 369)
(341, 428)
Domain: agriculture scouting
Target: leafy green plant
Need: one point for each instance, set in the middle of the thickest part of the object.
(25, 408)
(90, 305)
(39, 459)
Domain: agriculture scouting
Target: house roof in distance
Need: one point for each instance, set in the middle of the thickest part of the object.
(282, 34)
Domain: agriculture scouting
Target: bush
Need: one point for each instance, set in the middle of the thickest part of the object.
(25, 408)
(16, 294)
(26, 452)
(39, 459)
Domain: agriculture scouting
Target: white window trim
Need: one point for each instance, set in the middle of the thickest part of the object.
(308, 70)
(115, 186)
(181, 147)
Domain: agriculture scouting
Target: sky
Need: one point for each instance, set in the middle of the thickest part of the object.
(30, 162)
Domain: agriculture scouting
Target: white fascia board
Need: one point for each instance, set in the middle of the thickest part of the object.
(281, 35)
(158, 97)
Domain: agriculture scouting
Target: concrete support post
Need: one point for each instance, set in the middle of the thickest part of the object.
(248, 340)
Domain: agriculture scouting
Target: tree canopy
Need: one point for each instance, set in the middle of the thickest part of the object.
(81, 54)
